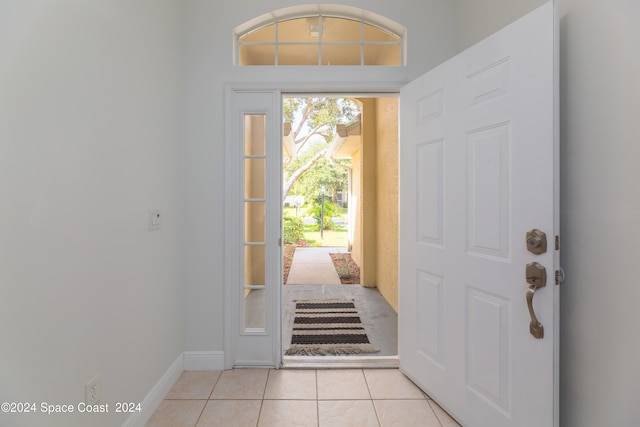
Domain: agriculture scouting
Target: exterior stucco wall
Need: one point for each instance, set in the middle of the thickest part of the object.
(354, 204)
(375, 197)
(387, 199)
(368, 193)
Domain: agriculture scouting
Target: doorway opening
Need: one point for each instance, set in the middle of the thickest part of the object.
(340, 227)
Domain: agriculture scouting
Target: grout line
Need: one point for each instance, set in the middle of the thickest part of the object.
(375, 410)
(201, 412)
(317, 398)
(185, 398)
(259, 412)
(215, 384)
(431, 405)
(368, 388)
(262, 400)
(435, 413)
(264, 392)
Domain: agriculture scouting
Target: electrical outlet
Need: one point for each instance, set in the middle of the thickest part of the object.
(92, 391)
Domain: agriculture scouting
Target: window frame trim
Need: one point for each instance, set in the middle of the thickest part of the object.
(275, 18)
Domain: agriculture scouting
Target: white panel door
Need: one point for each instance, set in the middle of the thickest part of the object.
(477, 172)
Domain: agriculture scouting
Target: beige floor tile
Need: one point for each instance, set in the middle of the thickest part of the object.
(405, 413)
(177, 413)
(391, 384)
(342, 384)
(241, 384)
(347, 413)
(230, 413)
(291, 384)
(194, 385)
(288, 413)
(443, 416)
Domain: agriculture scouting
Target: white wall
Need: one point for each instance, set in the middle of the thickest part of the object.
(600, 93)
(600, 206)
(208, 48)
(477, 19)
(89, 140)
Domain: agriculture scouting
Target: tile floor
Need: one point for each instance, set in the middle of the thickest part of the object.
(287, 397)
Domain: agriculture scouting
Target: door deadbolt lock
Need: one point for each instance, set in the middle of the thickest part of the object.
(536, 242)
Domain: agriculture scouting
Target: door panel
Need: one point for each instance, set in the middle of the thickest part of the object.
(430, 192)
(477, 172)
(488, 192)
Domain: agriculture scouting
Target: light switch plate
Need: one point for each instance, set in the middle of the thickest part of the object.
(155, 219)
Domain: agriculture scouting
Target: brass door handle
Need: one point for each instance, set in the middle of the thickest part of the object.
(535, 327)
(536, 276)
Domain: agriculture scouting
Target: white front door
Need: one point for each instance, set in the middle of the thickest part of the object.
(477, 172)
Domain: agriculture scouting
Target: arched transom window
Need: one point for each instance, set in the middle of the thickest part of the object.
(320, 39)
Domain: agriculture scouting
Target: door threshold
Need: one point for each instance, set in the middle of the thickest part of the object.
(339, 362)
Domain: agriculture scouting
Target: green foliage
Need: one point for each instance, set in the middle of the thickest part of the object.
(324, 174)
(321, 174)
(290, 106)
(313, 122)
(317, 112)
(343, 266)
(293, 229)
(330, 211)
(303, 157)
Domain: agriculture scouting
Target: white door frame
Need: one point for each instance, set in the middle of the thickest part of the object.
(255, 345)
(361, 88)
(233, 236)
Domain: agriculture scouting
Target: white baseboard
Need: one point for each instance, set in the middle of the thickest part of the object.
(153, 399)
(203, 360)
(187, 361)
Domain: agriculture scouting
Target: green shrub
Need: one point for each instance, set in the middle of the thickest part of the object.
(293, 229)
(330, 211)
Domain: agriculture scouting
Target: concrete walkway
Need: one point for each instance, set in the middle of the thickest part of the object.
(313, 266)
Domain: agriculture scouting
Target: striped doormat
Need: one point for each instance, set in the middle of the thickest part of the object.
(328, 327)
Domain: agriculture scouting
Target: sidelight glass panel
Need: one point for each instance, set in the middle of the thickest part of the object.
(254, 178)
(255, 316)
(255, 211)
(254, 289)
(254, 265)
(254, 215)
(254, 134)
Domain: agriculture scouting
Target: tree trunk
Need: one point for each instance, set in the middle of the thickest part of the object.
(297, 174)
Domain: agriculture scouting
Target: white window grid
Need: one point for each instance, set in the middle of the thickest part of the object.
(362, 43)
